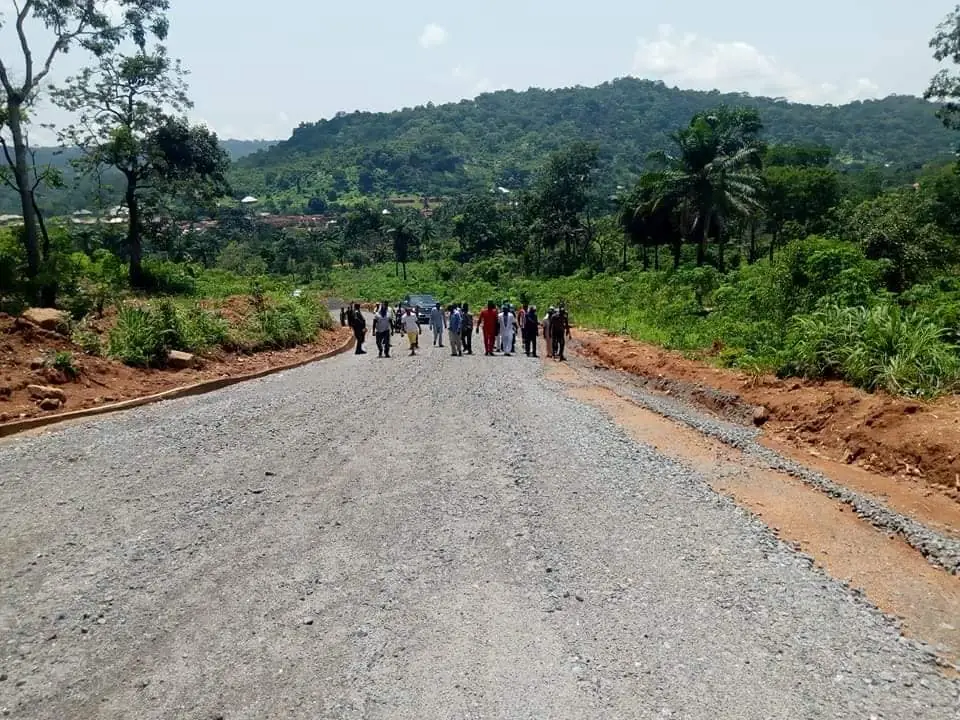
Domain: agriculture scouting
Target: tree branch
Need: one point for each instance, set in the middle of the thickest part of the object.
(61, 43)
(25, 46)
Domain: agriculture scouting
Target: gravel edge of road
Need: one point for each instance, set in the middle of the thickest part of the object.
(939, 549)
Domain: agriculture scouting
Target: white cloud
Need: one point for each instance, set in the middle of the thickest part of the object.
(690, 61)
(471, 82)
(432, 36)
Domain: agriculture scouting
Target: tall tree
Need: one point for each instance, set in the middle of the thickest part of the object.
(714, 173)
(124, 108)
(403, 233)
(95, 25)
(945, 85)
(649, 216)
(562, 195)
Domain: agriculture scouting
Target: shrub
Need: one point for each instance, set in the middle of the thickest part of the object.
(87, 340)
(136, 338)
(202, 330)
(284, 322)
(168, 278)
(62, 360)
(882, 347)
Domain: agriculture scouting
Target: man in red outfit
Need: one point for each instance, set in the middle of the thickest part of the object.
(487, 321)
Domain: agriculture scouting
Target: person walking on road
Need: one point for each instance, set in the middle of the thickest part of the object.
(466, 329)
(508, 326)
(547, 322)
(455, 328)
(359, 324)
(560, 331)
(521, 324)
(438, 323)
(487, 321)
(411, 326)
(381, 330)
(531, 328)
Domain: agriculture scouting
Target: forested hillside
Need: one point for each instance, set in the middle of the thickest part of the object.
(501, 138)
(79, 192)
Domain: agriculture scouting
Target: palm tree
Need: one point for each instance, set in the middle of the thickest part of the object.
(403, 235)
(426, 236)
(714, 175)
(650, 217)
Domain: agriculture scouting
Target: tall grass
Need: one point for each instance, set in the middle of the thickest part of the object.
(282, 322)
(883, 347)
(143, 336)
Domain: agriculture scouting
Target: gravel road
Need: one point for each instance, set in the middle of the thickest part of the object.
(427, 537)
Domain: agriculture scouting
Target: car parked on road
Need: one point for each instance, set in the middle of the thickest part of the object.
(425, 303)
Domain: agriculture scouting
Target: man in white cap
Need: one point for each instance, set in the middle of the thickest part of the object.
(546, 330)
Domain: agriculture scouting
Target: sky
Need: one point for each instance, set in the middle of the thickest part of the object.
(259, 69)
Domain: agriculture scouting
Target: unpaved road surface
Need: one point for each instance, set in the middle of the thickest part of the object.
(427, 537)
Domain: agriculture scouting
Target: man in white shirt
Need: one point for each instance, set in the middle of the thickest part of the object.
(412, 328)
(508, 326)
(381, 329)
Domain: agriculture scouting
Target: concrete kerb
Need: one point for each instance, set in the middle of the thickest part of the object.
(17, 426)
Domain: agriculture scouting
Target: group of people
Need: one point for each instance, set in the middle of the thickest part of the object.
(500, 328)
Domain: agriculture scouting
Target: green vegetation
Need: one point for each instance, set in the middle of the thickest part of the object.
(63, 361)
(501, 138)
(144, 334)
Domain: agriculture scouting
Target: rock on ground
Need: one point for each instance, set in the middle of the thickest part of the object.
(45, 392)
(180, 360)
(469, 544)
(47, 318)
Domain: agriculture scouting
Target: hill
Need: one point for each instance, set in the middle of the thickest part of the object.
(500, 138)
(80, 192)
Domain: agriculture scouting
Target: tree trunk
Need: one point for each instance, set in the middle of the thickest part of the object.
(404, 265)
(703, 233)
(720, 245)
(31, 235)
(646, 258)
(134, 246)
(677, 247)
(773, 242)
(656, 258)
(48, 291)
(753, 242)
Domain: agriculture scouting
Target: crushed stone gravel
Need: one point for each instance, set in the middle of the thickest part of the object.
(940, 549)
(467, 541)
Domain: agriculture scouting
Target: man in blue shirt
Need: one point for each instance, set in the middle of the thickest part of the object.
(455, 326)
(437, 323)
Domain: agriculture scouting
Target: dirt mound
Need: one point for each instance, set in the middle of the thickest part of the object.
(899, 437)
(27, 352)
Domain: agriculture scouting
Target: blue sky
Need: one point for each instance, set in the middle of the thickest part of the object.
(258, 69)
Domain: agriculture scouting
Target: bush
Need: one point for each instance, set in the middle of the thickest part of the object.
(136, 338)
(87, 340)
(143, 336)
(102, 278)
(13, 263)
(168, 278)
(62, 360)
(882, 347)
(284, 322)
(202, 330)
